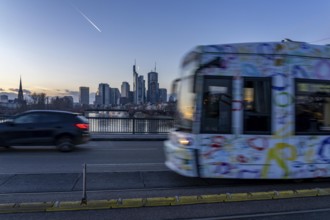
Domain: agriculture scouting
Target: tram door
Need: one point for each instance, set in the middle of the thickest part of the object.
(216, 123)
(216, 106)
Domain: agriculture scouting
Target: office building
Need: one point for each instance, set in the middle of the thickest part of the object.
(102, 97)
(135, 85)
(84, 95)
(139, 91)
(125, 88)
(153, 87)
(114, 96)
(162, 95)
(141, 98)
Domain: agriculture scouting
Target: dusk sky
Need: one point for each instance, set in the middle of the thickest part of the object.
(58, 45)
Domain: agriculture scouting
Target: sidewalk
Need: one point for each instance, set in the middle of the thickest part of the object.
(127, 137)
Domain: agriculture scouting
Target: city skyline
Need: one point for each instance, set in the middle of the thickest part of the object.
(84, 96)
(106, 95)
(58, 46)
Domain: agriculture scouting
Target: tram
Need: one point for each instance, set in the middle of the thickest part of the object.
(252, 111)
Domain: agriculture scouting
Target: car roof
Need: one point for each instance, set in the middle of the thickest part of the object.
(51, 111)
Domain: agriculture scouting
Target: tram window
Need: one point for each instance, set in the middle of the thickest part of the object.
(312, 107)
(257, 105)
(216, 107)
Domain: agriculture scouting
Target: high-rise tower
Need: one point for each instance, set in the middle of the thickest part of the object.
(141, 91)
(153, 87)
(135, 85)
(125, 88)
(84, 95)
(102, 97)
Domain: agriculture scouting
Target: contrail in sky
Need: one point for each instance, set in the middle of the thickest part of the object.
(89, 20)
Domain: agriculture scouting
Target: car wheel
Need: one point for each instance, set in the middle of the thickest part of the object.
(65, 144)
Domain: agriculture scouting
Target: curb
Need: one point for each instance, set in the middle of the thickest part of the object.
(158, 201)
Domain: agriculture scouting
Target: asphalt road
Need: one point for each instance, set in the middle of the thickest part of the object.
(100, 156)
(135, 169)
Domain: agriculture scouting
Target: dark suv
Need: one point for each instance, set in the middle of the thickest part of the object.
(45, 127)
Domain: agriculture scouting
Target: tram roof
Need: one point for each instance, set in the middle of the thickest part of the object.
(285, 47)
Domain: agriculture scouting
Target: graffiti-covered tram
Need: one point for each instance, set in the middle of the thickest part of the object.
(253, 110)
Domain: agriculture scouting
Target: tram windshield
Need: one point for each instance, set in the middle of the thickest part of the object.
(186, 97)
(185, 103)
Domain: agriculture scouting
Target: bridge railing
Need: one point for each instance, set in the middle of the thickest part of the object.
(126, 125)
(130, 125)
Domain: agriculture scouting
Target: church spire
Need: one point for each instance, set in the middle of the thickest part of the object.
(20, 91)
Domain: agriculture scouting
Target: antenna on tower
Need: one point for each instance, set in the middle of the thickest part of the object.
(155, 66)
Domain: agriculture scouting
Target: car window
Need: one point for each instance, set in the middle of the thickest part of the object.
(49, 118)
(82, 118)
(28, 118)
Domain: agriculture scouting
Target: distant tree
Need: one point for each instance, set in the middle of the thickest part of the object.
(38, 100)
(62, 103)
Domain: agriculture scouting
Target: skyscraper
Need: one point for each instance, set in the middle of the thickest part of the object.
(162, 95)
(141, 98)
(125, 88)
(84, 95)
(102, 96)
(139, 89)
(135, 85)
(114, 96)
(153, 87)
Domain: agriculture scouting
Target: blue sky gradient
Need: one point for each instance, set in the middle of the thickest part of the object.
(58, 45)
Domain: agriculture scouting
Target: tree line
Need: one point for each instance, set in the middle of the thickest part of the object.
(42, 101)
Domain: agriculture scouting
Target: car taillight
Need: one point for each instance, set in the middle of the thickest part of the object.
(82, 126)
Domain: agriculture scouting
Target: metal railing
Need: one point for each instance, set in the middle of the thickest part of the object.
(126, 125)
(130, 125)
